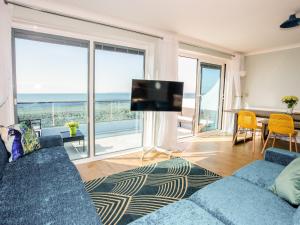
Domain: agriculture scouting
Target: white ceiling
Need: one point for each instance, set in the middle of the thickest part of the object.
(239, 25)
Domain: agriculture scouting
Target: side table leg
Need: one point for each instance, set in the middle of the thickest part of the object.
(83, 146)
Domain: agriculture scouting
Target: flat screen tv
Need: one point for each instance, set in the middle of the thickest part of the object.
(156, 95)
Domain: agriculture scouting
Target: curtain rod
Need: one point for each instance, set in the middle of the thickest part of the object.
(210, 49)
(78, 18)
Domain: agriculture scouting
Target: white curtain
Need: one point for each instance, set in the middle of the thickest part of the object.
(233, 92)
(236, 69)
(6, 96)
(166, 132)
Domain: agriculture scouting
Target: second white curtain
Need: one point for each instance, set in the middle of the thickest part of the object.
(168, 66)
(233, 90)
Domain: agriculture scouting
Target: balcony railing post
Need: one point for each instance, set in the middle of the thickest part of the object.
(110, 116)
(113, 107)
(53, 117)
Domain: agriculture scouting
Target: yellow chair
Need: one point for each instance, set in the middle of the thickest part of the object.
(247, 122)
(281, 124)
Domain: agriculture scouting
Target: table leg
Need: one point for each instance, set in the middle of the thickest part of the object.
(235, 127)
(264, 131)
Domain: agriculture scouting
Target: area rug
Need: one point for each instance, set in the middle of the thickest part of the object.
(124, 197)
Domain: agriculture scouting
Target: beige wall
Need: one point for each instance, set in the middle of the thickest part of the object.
(271, 76)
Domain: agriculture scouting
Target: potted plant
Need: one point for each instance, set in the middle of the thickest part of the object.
(291, 102)
(73, 126)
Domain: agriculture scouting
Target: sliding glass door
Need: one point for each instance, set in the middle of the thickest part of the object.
(116, 127)
(210, 97)
(51, 78)
(51, 90)
(202, 96)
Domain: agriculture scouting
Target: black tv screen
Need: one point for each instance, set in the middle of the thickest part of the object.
(156, 95)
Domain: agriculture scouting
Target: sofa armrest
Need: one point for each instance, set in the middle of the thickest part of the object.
(51, 141)
(280, 156)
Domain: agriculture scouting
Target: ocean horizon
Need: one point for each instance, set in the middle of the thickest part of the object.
(70, 97)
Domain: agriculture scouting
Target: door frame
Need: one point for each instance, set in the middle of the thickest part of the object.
(196, 88)
(202, 58)
(221, 92)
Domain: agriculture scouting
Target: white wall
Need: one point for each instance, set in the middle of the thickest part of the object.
(270, 76)
(6, 111)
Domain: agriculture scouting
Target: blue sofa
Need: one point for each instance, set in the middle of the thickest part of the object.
(241, 199)
(43, 187)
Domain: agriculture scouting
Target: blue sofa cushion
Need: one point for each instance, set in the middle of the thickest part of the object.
(44, 187)
(297, 217)
(236, 201)
(280, 156)
(44, 180)
(260, 172)
(26, 164)
(71, 207)
(51, 141)
(183, 212)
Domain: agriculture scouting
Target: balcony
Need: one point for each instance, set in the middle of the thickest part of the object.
(116, 127)
(208, 121)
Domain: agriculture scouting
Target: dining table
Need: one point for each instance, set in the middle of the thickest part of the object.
(263, 118)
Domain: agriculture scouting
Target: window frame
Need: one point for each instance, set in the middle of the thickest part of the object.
(144, 51)
(148, 46)
(52, 39)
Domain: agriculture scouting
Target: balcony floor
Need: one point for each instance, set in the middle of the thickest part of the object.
(108, 142)
(184, 132)
(103, 145)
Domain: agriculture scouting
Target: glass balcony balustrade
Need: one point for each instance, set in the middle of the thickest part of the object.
(116, 127)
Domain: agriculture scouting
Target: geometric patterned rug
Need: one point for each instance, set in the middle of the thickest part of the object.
(124, 197)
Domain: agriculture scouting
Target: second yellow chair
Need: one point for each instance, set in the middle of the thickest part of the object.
(281, 124)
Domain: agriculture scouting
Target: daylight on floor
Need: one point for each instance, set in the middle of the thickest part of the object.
(148, 112)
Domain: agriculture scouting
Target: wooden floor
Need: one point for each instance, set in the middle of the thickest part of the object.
(214, 153)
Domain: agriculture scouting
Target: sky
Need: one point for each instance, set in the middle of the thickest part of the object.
(52, 68)
(114, 71)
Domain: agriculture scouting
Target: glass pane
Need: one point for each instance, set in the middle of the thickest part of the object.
(52, 90)
(116, 127)
(210, 96)
(187, 70)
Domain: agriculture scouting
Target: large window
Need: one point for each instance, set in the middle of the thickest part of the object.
(52, 74)
(51, 86)
(116, 127)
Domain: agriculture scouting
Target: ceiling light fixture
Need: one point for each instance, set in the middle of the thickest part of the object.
(293, 21)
